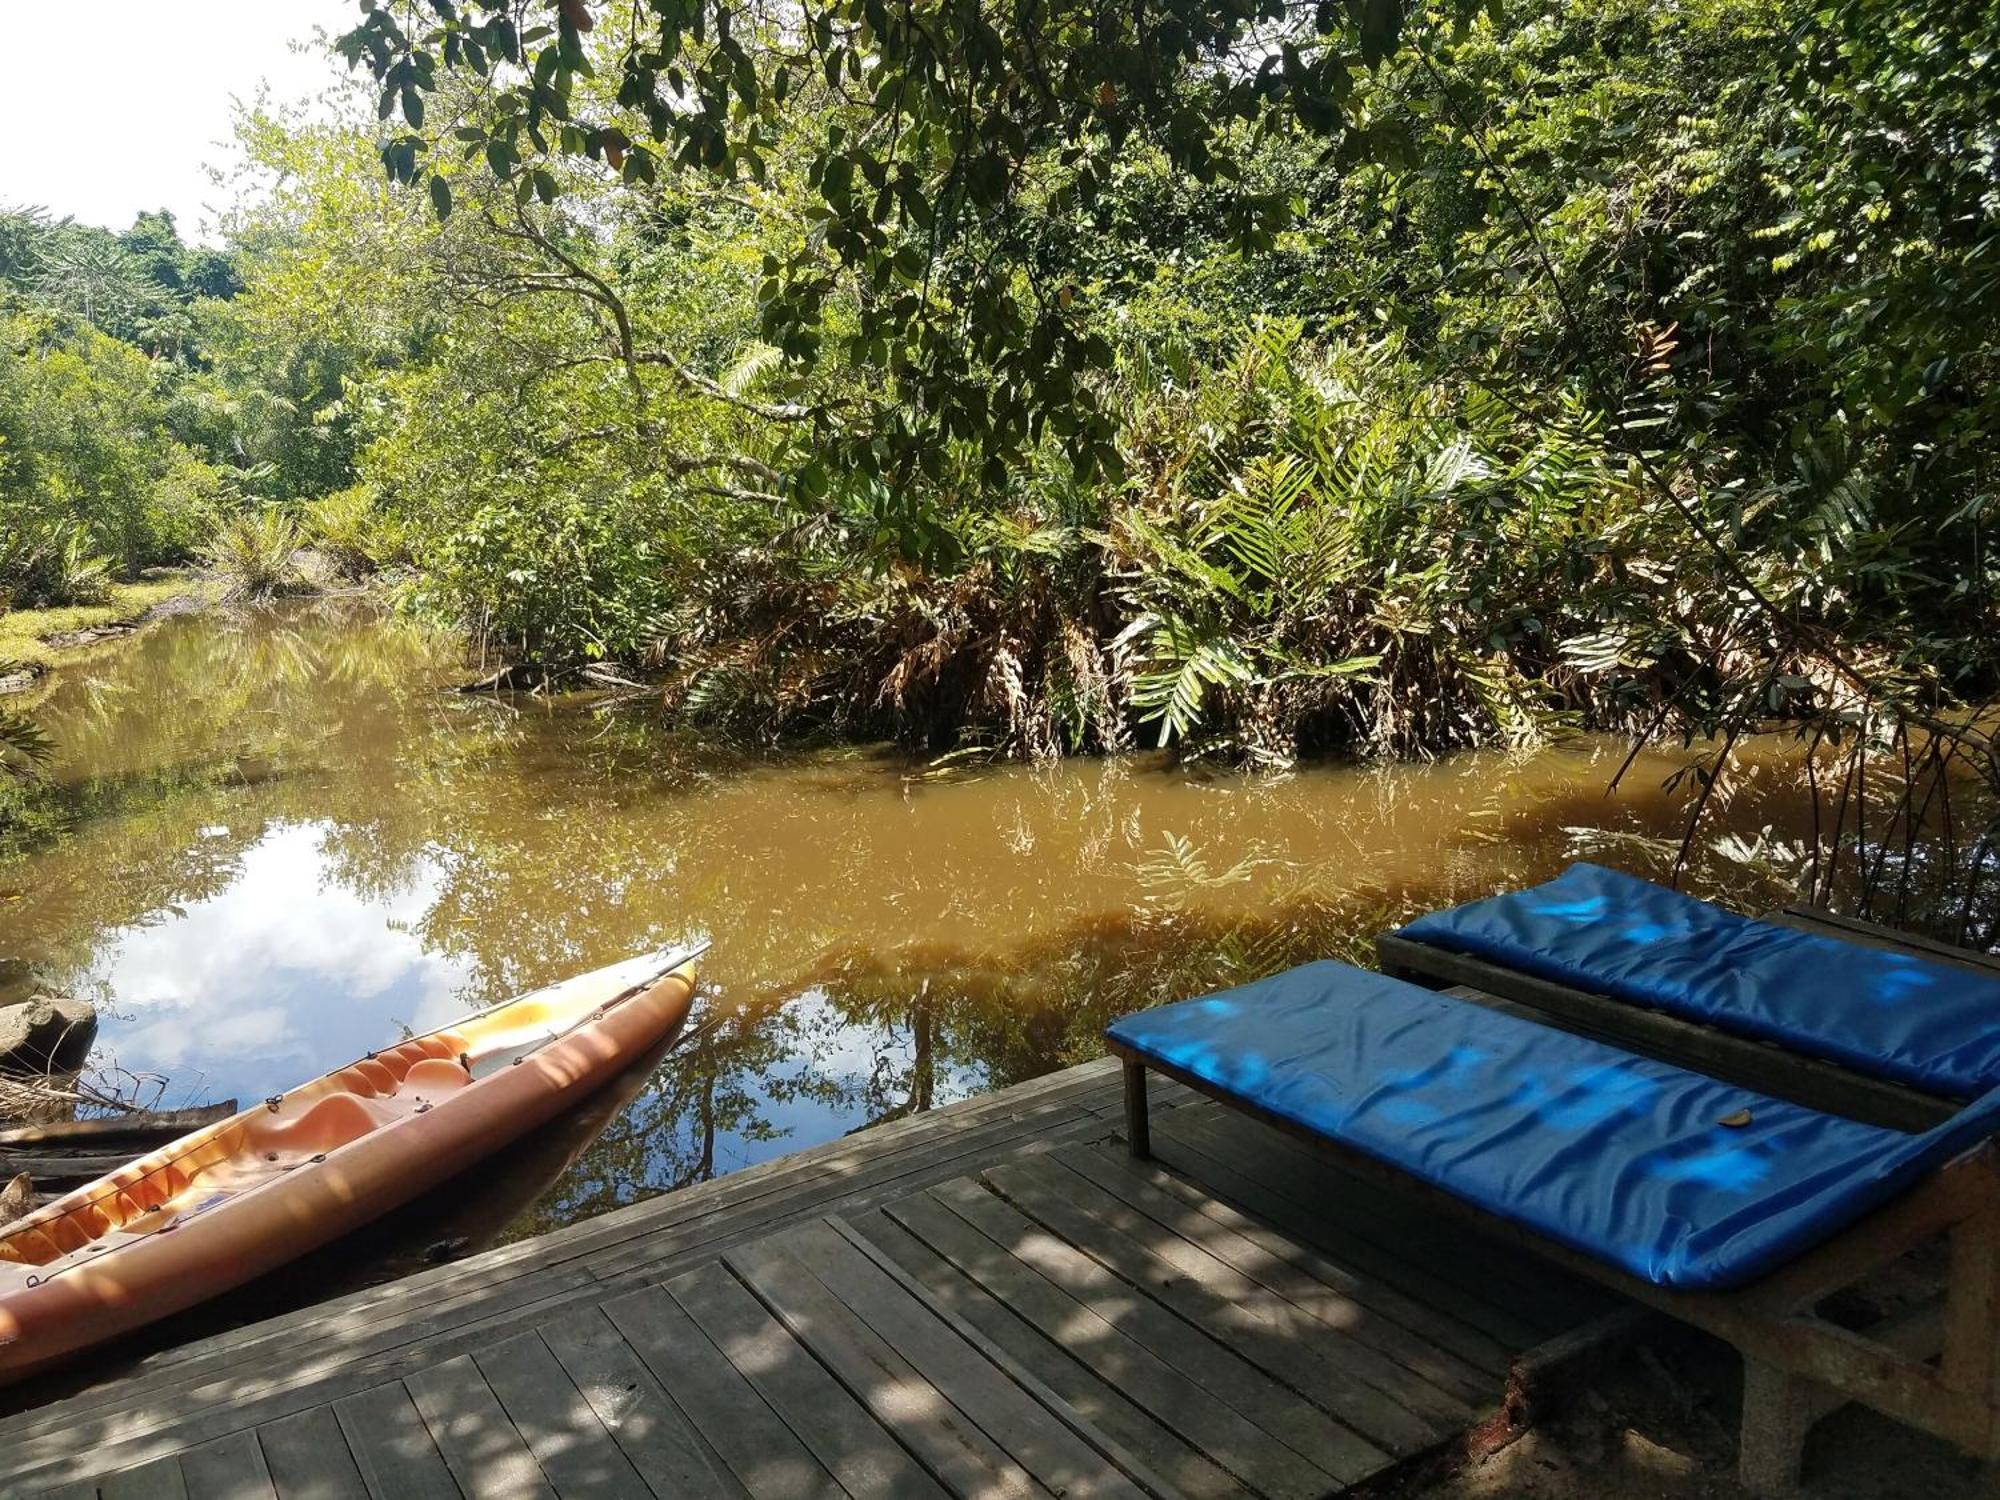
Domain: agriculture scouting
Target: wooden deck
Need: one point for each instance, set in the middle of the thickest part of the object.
(988, 1300)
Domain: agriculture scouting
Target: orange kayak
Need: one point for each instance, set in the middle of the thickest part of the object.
(234, 1200)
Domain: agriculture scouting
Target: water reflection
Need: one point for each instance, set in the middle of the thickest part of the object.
(229, 992)
(291, 840)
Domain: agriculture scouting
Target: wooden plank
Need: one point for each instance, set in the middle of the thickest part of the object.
(1058, 1448)
(1331, 1371)
(1343, 1455)
(308, 1458)
(350, 1324)
(159, 1480)
(945, 1439)
(175, 1417)
(1540, 1299)
(356, 1361)
(577, 1455)
(45, 1166)
(1878, 935)
(1229, 1437)
(485, 1454)
(373, 1341)
(1442, 1348)
(1205, 1155)
(1116, 1454)
(392, 1447)
(950, 1154)
(228, 1468)
(1549, 1298)
(759, 1449)
(145, 1127)
(286, 1380)
(1744, 1061)
(1356, 1309)
(1159, 1448)
(1325, 1239)
(842, 1436)
(636, 1409)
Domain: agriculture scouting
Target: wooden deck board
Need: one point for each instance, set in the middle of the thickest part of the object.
(392, 1447)
(1223, 1372)
(1381, 1359)
(1354, 1306)
(760, 1451)
(849, 1445)
(1207, 1294)
(1098, 1401)
(1042, 1441)
(485, 1453)
(1211, 1427)
(871, 1317)
(161, 1479)
(951, 1446)
(387, 1340)
(1533, 1288)
(309, 1459)
(1201, 1155)
(458, 1292)
(228, 1468)
(579, 1457)
(636, 1409)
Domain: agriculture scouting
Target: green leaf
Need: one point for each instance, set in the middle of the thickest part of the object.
(1381, 27)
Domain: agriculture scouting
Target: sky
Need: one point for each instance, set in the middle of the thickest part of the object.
(117, 106)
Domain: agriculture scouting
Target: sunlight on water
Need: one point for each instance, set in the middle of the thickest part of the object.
(292, 840)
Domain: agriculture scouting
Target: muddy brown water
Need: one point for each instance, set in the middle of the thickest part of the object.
(291, 840)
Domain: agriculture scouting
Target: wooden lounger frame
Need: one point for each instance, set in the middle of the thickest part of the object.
(1798, 1366)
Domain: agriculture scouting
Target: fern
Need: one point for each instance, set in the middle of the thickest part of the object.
(257, 555)
(1181, 666)
(752, 365)
(1255, 522)
(24, 748)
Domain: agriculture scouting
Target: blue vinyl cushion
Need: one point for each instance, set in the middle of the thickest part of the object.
(1620, 1157)
(1931, 1025)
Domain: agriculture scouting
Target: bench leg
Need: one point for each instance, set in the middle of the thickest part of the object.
(1971, 1357)
(1138, 1129)
(1778, 1409)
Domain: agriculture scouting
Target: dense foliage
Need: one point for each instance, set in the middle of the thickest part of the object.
(117, 443)
(1243, 378)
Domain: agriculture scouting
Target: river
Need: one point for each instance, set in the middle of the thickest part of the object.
(291, 840)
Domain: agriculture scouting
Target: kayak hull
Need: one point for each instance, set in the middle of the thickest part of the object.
(233, 1202)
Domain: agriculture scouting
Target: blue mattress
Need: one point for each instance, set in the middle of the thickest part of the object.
(1677, 1178)
(1930, 1025)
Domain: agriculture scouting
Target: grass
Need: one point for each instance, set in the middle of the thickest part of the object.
(26, 634)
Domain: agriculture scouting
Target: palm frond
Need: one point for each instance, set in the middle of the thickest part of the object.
(24, 748)
(752, 365)
(1182, 665)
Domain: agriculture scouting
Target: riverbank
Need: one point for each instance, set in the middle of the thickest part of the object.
(35, 642)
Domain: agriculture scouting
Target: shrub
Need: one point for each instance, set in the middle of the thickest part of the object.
(352, 530)
(185, 505)
(52, 564)
(257, 555)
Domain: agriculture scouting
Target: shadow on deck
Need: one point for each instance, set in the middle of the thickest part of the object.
(991, 1299)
